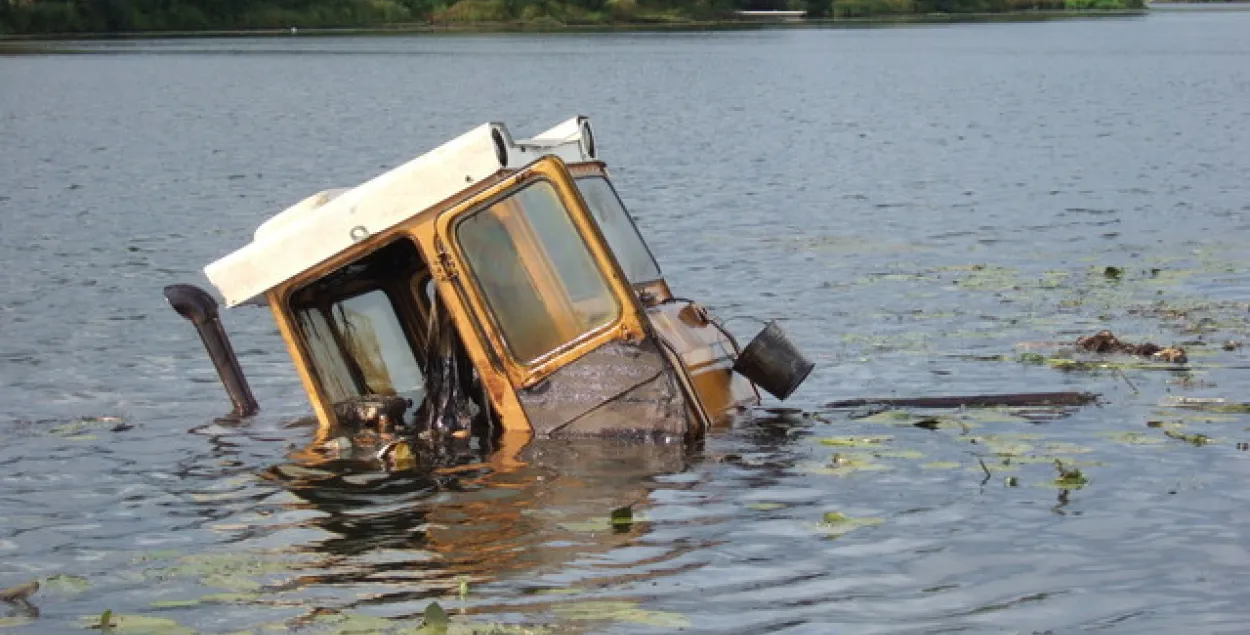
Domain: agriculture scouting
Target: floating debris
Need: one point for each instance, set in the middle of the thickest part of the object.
(1106, 342)
(19, 593)
(1196, 438)
(1069, 478)
(1213, 404)
(976, 401)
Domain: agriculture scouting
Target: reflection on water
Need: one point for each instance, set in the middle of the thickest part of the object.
(934, 210)
(363, 539)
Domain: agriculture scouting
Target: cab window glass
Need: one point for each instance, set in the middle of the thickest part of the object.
(351, 323)
(336, 379)
(539, 279)
(373, 336)
(619, 229)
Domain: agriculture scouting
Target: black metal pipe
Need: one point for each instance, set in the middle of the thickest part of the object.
(196, 305)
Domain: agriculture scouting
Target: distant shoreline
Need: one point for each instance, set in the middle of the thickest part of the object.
(550, 27)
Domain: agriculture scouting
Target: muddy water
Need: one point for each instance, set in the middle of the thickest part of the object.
(927, 208)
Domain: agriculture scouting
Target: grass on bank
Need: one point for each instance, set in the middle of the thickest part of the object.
(35, 17)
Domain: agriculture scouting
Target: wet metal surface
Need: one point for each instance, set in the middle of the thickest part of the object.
(928, 210)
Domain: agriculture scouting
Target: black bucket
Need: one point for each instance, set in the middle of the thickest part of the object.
(773, 363)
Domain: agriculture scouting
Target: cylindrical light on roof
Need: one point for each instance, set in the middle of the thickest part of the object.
(588, 138)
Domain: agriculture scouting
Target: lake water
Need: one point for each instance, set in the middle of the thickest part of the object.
(924, 207)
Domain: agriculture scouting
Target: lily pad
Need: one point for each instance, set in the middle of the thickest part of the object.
(572, 590)
(843, 464)
(899, 454)
(1066, 448)
(138, 625)
(835, 524)
(619, 611)
(66, 584)
(173, 604)
(231, 582)
(229, 598)
(15, 621)
(1195, 438)
(606, 523)
(856, 441)
(357, 624)
(1135, 438)
(765, 507)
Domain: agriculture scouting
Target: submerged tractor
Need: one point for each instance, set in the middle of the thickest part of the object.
(491, 286)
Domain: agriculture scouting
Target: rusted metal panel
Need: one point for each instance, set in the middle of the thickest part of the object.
(618, 388)
(707, 354)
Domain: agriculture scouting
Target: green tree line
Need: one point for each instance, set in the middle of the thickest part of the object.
(105, 16)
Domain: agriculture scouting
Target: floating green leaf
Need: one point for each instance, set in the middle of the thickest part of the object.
(899, 454)
(1134, 438)
(229, 598)
(765, 507)
(66, 584)
(855, 441)
(1195, 439)
(357, 624)
(173, 604)
(1066, 448)
(559, 591)
(136, 625)
(619, 611)
(622, 517)
(434, 616)
(15, 621)
(1069, 477)
(843, 464)
(835, 524)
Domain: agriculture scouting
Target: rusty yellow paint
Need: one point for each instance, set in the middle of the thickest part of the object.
(303, 365)
(707, 355)
(700, 354)
(502, 395)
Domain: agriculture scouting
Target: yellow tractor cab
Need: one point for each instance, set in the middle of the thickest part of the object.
(492, 286)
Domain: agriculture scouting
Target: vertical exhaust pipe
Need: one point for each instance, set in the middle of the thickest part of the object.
(195, 304)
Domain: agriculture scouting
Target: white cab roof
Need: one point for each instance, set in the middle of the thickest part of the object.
(324, 224)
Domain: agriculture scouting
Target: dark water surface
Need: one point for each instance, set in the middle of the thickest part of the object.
(918, 204)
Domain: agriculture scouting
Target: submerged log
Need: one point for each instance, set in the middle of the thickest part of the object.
(1017, 400)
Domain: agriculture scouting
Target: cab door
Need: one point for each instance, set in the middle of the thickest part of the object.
(543, 292)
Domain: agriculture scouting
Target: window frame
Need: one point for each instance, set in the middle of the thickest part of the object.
(523, 229)
(326, 307)
(454, 266)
